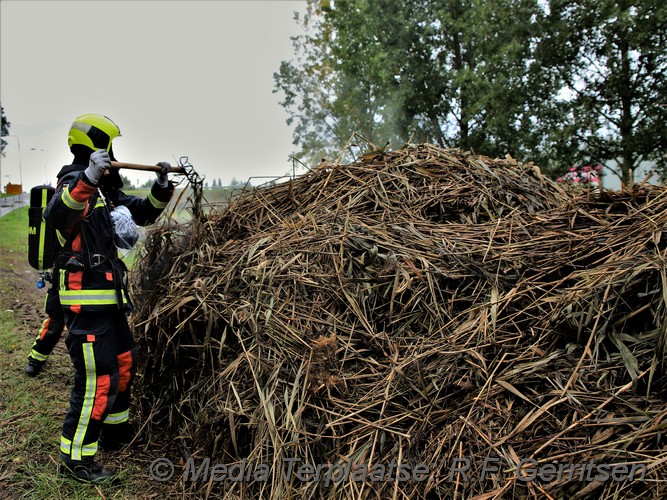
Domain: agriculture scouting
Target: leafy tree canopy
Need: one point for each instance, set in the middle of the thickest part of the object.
(4, 130)
(557, 82)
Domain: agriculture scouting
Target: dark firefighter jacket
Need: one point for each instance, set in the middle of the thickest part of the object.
(89, 273)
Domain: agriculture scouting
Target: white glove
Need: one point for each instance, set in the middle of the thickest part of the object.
(162, 178)
(99, 162)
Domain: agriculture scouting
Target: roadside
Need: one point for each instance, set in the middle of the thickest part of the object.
(10, 203)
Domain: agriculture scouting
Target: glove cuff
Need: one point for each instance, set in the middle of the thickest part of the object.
(90, 175)
(162, 183)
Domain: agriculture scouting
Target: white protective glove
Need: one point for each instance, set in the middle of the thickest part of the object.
(99, 162)
(162, 178)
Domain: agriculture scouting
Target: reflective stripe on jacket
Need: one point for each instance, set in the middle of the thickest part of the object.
(91, 276)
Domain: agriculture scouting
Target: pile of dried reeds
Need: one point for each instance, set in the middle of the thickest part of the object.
(426, 306)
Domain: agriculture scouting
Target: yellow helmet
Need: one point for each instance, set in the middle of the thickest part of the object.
(93, 131)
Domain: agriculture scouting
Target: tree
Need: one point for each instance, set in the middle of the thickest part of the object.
(483, 57)
(436, 71)
(127, 183)
(338, 84)
(4, 131)
(609, 62)
(557, 82)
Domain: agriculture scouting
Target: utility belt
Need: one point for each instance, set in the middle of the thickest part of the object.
(74, 262)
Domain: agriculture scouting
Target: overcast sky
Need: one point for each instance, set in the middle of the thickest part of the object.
(179, 78)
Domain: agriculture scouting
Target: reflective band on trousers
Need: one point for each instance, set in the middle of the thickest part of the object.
(117, 418)
(76, 451)
(37, 355)
(87, 450)
(89, 297)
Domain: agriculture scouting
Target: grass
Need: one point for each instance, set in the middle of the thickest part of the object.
(32, 409)
(14, 231)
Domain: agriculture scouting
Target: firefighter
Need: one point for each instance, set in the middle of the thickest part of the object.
(92, 286)
(49, 334)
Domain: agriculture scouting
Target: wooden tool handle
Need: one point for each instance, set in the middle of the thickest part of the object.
(137, 166)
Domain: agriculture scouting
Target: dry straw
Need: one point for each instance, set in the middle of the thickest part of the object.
(421, 305)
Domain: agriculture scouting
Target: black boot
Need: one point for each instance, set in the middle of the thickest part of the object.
(85, 471)
(115, 436)
(33, 367)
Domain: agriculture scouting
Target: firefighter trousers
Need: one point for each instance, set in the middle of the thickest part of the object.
(51, 329)
(104, 356)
